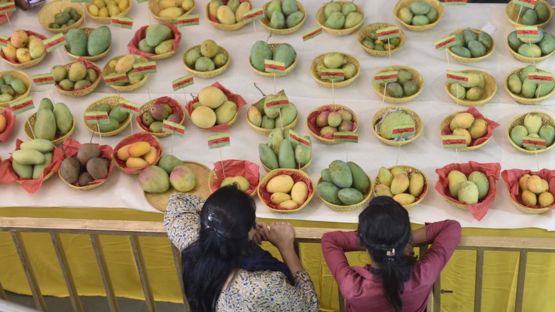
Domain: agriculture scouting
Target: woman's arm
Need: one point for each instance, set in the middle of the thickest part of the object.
(182, 219)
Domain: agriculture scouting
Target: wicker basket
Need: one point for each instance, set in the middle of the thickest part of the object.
(405, 3)
(380, 113)
(29, 64)
(489, 90)
(380, 90)
(526, 59)
(461, 59)
(220, 26)
(108, 20)
(113, 101)
(83, 91)
(347, 208)
(328, 84)
(21, 76)
(519, 120)
(267, 131)
(286, 31)
(276, 172)
(321, 19)
(410, 170)
(528, 210)
(146, 107)
(88, 30)
(212, 176)
(447, 121)
(320, 138)
(154, 8)
(522, 100)
(89, 186)
(373, 27)
(157, 145)
(289, 69)
(128, 88)
(30, 124)
(209, 74)
(47, 12)
(512, 10)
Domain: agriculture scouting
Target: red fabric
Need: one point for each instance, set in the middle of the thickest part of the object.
(236, 98)
(141, 136)
(233, 168)
(491, 170)
(311, 121)
(30, 33)
(224, 2)
(4, 17)
(176, 108)
(477, 115)
(10, 123)
(140, 34)
(88, 65)
(363, 292)
(71, 148)
(296, 178)
(512, 176)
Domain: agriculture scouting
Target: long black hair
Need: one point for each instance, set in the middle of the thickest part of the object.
(226, 219)
(384, 229)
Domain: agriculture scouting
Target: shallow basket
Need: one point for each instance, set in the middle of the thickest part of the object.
(519, 120)
(30, 123)
(208, 74)
(83, 91)
(347, 208)
(106, 70)
(389, 99)
(489, 90)
(90, 186)
(461, 59)
(112, 101)
(447, 121)
(289, 69)
(424, 190)
(21, 76)
(339, 84)
(375, 26)
(321, 19)
(267, 131)
(405, 3)
(272, 174)
(29, 64)
(526, 59)
(146, 107)
(51, 8)
(119, 145)
(108, 20)
(522, 100)
(528, 210)
(223, 27)
(317, 136)
(88, 30)
(212, 176)
(380, 113)
(512, 10)
(154, 8)
(285, 31)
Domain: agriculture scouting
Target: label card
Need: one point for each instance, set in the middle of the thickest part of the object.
(276, 101)
(187, 20)
(389, 32)
(453, 141)
(314, 32)
(404, 132)
(129, 106)
(527, 33)
(275, 67)
(541, 77)
(43, 79)
(22, 105)
(95, 117)
(294, 136)
(182, 82)
(7, 7)
(253, 15)
(446, 42)
(458, 77)
(332, 74)
(122, 22)
(536, 143)
(219, 140)
(348, 137)
(145, 68)
(4, 40)
(173, 128)
(115, 78)
(387, 76)
(54, 42)
(526, 3)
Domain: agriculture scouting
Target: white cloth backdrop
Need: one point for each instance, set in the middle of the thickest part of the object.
(432, 105)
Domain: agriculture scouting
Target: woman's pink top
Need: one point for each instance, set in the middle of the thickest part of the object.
(364, 292)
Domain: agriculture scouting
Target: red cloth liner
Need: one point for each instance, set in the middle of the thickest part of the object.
(236, 98)
(30, 33)
(233, 168)
(491, 170)
(89, 65)
(477, 115)
(296, 178)
(162, 100)
(140, 34)
(71, 148)
(8, 175)
(312, 121)
(224, 2)
(141, 136)
(4, 18)
(10, 123)
(512, 176)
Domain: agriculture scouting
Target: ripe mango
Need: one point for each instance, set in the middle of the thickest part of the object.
(183, 179)
(528, 198)
(70, 169)
(464, 133)
(385, 177)
(123, 152)
(535, 185)
(203, 117)
(211, 97)
(139, 149)
(416, 185)
(481, 181)
(479, 128)
(150, 157)
(455, 179)
(243, 9)
(171, 12)
(523, 182)
(382, 190)
(546, 199)
(124, 64)
(278, 198)
(280, 184)
(136, 163)
(226, 112)
(225, 15)
(404, 199)
(299, 192)
(468, 193)
(400, 183)
(154, 179)
(36, 47)
(289, 205)
(461, 120)
(329, 192)
(213, 6)
(341, 174)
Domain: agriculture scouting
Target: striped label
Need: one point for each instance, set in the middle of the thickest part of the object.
(526, 3)
(219, 140)
(276, 101)
(7, 7)
(253, 15)
(312, 33)
(539, 143)
(389, 32)
(275, 67)
(445, 43)
(145, 68)
(387, 76)
(453, 141)
(182, 82)
(173, 128)
(4, 41)
(332, 74)
(294, 136)
(187, 20)
(457, 77)
(349, 137)
(122, 22)
(54, 42)
(404, 132)
(129, 106)
(115, 78)
(43, 79)
(95, 117)
(455, 2)
(22, 105)
(527, 33)
(541, 77)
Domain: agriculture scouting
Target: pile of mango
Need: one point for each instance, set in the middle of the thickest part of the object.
(155, 116)
(270, 117)
(32, 158)
(75, 78)
(468, 190)
(282, 152)
(107, 8)
(213, 108)
(405, 85)
(336, 60)
(116, 117)
(11, 88)
(65, 18)
(520, 85)
(330, 122)
(240, 182)
(543, 45)
(82, 44)
(158, 39)
(124, 65)
(404, 184)
(342, 15)
(286, 193)
(52, 120)
(473, 90)
(229, 14)
(534, 191)
(392, 119)
(206, 57)
(472, 45)
(174, 8)
(535, 127)
(343, 183)
(372, 42)
(262, 51)
(418, 13)
(464, 124)
(170, 171)
(87, 166)
(137, 155)
(283, 14)
(537, 15)
(23, 48)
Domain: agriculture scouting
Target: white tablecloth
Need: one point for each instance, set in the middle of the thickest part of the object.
(432, 105)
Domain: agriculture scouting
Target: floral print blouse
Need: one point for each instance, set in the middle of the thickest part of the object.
(264, 291)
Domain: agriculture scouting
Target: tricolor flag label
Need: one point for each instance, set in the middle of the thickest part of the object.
(129, 106)
(275, 67)
(173, 128)
(349, 137)
(445, 43)
(54, 42)
(22, 105)
(4, 41)
(529, 142)
(387, 76)
(404, 132)
(389, 32)
(527, 33)
(115, 78)
(312, 33)
(219, 140)
(526, 3)
(182, 82)
(7, 7)
(43, 79)
(187, 20)
(145, 68)
(455, 2)
(541, 77)
(454, 141)
(294, 136)
(95, 117)
(332, 74)
(276, 101)
(253, 15)
(122, 22)
(457, 77)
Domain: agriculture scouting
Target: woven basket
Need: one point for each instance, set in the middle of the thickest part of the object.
(212, 176)
(285, 31)
(339, 84)
(317, 136)
(289, 69)
(512, 10)
(128, 88)
(209, 74)
(21, 76)
(51, 8)
(424, 190)
(489, 90)
(163, 56)
(447, 121)
(267, 131)
(274, 173)
(389, 99)
(405, 3)
(526, 59)
(119, 145)
(519, 120)
(321, 19)
(528, 210)
(380, 113)
(347, 208)
(30, 124)
(522, 100)
(373, 27)
(29, 64)
(154, 8)
(83, 91)
(223, 27)
(90, 186)
(113, 101)
(146, 107)
(461, 59)
(88, 30)
(108, 20)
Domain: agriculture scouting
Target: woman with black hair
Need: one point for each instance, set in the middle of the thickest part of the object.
(224, 268)
(396, 280)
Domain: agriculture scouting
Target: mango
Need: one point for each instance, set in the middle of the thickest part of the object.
(382, 190)
(10, 52)
(547, 45)
(353, 19)
(334, 119)
(361, 182)
(461, 120)
(533, 123)
(268, 123)
(139, 149)
(299, 192)
(254, 116)
(285, 54)
(546, 199)
(278, 198)
(211, 97)
(535, 185)
(523, 182)
(336, 20)
(64, 118)
(59, 73)
(416, 184)
(420, 20)
(461, 51)
(156, 34)
(294, 19)
(325, 175)
(341, 174)
(204, 64)
(77, 41)
(220, 59)
(171, 12)
(530, 50)
(77, 71)
(485, 39)
(289, 205)
(22, 171)
(242, 10)
(45, 125)
(528, 198)
(273, 6)
(329, 192)
(280, 184)
(392, 120)
(350, 196)
(267, 156)
(136, 163)
(518, 133)
(404, 199)
(118, 114)
(226, 112)
(468, 193)
(36, 47)
(457, 90)
(277, 20)
(108, 126)
(477, 49)
(28, 157)
(164, 47)
(2, 123)
(260, 52)
(478, 128)
(530, 17)
(124, 64)
(169, 162)
(420, 7)
(19, 38)
(400, 183)
(85, 179)
(225, 15)
(332, 7)
(334, 60)
(23, 55)
(463, 133)
(481, 181)
(547, 132)
(455, 179)
(287, 115)
(405, 15)
(183, 179)
(385, 177)
(513, 41)
(154, 179)
(286, 156)
(514, 84)
(192, 56)
(213, 6)
(87, 151)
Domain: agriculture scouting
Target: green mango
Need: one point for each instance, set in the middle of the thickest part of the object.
(432, 15)
(325, 175)
(22, 171)
(46, 103)
(18, 86)
(518, 133)
(404, 76)
(529, 88)
(542, 12)
(260, 51)
(143, 46)
(477, 49)
(274, 6)
(220, 59)
(420, 7)
(547, 132)
(289, 7)
(461, 51)
(6, 89)
(458, 91)
(81, 84)
(303, 154)
(530, 17)
(92, 75)
(268, 123)
(233, 4)
(271, 112)
(514, 84)
(277, 20)
(103, 107)
(192, 56)
(39, 169)
(468, 193)
(353, 19)
(419, 20)
(350, 70)
(485, 39)
(274, 140)
(99, 41)
(392, 120)
(5, 97)
(410, 88)
(341, 174)
(157, 33)
(328, 191)
(369, 43)
(285, 54)
(294, 19)
(514, 42)
(156, 127)
(348, 7)
(544, 89)
(335, 21)
(286, 156)
(45, 125)
(474, 94)
(39, 145)
(469, 35)
(77, 41)
(267, 156)
(350, 196)
(64, 118)
(204, 64)
(361, 182)
(547, 45)
(168, 162)
(67, 85)
(119, 114)
(481, 181)
(164, 47)
(394, 89)
(109, 125)
(286, 116)
(523, 74)
(331, 7)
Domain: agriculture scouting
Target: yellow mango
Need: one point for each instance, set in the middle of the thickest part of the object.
(523, 182)
(546, 199)
(136, 163)
(125, 64)
(123, 5)
(462, 120)
(242, 10)
(226, 16)
(171, 12)
(213, 7)
(113, 10)
(299, 192)
(139, 149)
(187, 5)
(400, 183)
(455, 178)
(404, 199)
(289, 205)
(123, 152)
(382, 190)
(280, 184)
(416, 184)
(10, 52)
(103, 12)
(99, 4)
(164, 4)
(529, 199)
(93, 9)
(36, 47)
(397, 170)
(278, 198)
(535, 185)
(150, 157)
(2, 123)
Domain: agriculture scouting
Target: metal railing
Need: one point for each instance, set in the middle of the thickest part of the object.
(133, 229)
